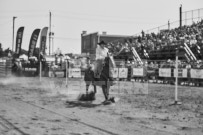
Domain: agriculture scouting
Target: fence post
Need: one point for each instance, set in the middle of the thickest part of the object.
(176, 83)
(40, 70)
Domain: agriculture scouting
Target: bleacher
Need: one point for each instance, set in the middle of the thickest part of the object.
(162, 46)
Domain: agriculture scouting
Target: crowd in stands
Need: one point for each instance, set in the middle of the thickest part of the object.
(192, 35)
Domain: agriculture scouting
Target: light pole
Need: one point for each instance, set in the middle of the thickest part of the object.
(13, 32)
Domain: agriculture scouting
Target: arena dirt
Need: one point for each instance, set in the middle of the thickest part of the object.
(50, 107)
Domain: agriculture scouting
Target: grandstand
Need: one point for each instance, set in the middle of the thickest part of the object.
(188, 40)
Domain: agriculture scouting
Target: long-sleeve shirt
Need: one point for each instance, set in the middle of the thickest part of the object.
(101, 53)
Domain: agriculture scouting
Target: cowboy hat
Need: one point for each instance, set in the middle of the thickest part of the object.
(101, 42)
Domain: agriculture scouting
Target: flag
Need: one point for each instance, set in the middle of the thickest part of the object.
(19, 38)
(43, 40)
(33, 42)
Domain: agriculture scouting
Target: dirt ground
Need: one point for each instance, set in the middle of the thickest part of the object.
(29, 106)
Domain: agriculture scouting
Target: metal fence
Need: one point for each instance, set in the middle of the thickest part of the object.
(188, 18)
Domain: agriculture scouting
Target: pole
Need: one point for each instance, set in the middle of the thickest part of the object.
(180, 15)
(66, 72)
(49, 33)
(40, 70)
(176, 81)
(13, 32)
(176, 84)
(168, 24)
(52, 43)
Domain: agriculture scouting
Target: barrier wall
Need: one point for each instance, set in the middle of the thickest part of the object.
(5, 67)
(160, 74)
(140, 72)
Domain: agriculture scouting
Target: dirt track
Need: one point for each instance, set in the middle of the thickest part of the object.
(28, 106)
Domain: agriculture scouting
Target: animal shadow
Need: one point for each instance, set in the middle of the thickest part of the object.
(85, 104)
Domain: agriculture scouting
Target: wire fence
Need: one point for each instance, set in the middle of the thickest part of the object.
(188, 18)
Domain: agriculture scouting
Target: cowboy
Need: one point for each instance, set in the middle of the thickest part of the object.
(101, 54)
(101, 51)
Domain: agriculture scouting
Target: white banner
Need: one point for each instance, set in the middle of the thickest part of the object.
(74, 72)
(182, 73)
(164, 72)
(138, 72)
(115, 73)
(59, 74)
(30, 69)
(196, 73)
(123, 72)
(2, 60)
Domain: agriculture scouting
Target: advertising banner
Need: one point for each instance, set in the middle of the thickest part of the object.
(164, 72)
(196, 73)
(74, 72)
(115, 72)
(182, 73)
(43, 39)
(33, 42)
(123, 72)
(19, 38)
(137, 72)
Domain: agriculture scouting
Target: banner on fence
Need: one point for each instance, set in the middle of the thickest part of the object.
(122, 72)
(74, 72)
(138, 72)
(182, 73)
(2, 60)
(164, 72)
(75, 63)
(115, 73)
(196, 73)
(30, 69)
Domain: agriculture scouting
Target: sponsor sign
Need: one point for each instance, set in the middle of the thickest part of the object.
(122, 72)
(43, 39)
(2, 60)
(33, 42)
(115, 72)
(182, 73)
(164, 72)
(59, 74)
(74, 72)
(138, 72)
(196, 73)
(30, 69)
(19, 38)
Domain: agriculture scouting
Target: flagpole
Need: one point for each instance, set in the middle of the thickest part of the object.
(13, 33)
(50, 33)
(40, 70)
(66, 72)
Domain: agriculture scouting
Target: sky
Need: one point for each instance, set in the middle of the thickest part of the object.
(71, 17)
